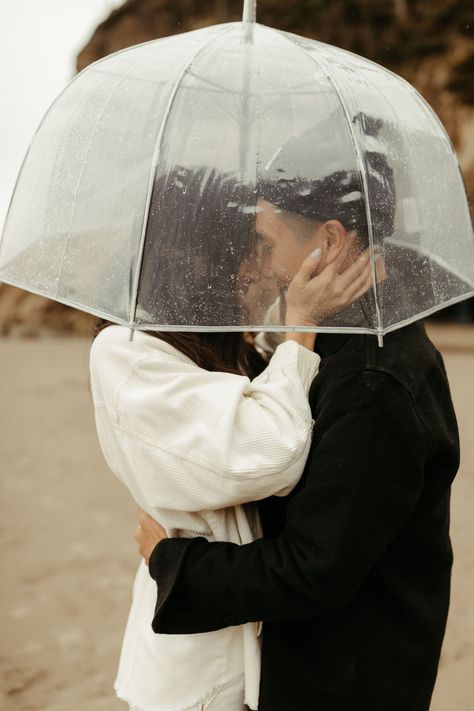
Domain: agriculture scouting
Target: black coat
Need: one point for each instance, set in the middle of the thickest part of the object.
(352, 577)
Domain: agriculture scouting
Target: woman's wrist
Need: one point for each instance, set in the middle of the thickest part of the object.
(304, 339)
(295, 319)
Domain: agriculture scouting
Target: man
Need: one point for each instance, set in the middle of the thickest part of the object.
(351, 578)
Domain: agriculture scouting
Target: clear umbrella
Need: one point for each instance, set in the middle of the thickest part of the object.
(175, 185)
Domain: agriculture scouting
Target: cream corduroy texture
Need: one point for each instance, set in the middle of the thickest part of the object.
(193, 447)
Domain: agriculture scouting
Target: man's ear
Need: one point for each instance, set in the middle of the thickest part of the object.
(334, 239)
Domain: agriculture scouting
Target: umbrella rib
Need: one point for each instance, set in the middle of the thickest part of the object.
(88, 150)
(154, 166)
(323, 65)
(74, 79)
(366, 191)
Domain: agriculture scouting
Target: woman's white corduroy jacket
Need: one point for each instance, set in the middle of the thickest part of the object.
(194, 447)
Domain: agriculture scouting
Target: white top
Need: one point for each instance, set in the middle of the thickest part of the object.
(193, 447)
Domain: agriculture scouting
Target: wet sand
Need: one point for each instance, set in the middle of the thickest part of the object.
(66, 535)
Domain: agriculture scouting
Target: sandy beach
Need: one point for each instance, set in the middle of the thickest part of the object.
(66, 534)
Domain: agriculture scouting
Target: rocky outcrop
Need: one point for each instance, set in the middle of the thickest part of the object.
(28, 316)
(430, 44)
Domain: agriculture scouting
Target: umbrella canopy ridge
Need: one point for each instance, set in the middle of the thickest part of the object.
(170, 186)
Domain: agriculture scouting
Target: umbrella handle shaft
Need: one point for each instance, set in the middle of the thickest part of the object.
(250, 11)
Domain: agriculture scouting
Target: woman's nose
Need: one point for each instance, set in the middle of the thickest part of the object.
(253, 269)
(255, 273)
(266, 266)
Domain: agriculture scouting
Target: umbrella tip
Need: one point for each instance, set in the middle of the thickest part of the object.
(250, 11)
(380, 340)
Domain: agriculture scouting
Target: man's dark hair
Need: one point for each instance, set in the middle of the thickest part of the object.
(340, 195)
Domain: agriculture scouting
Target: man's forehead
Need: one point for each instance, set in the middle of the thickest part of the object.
(267, 209)
(268, 218)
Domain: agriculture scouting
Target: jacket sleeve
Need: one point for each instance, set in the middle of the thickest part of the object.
(363, 481)
(268, 341)
(195, 440)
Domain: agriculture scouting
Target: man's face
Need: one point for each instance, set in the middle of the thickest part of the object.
(284, 242)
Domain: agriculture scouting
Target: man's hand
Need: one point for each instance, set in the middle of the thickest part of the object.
(148, 534)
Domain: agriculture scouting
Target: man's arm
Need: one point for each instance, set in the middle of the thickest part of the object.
(364, 478)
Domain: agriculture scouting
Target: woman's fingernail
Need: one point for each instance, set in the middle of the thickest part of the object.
(316, 254)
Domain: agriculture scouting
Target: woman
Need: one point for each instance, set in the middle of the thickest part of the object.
(197, 424)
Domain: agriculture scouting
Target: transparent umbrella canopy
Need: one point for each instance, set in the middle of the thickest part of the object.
(174, 185)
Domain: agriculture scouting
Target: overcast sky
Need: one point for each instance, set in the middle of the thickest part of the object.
(39, 41)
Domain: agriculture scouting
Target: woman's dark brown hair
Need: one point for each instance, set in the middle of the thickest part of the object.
(201, 227)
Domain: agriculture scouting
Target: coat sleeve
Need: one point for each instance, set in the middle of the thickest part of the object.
(195, 440)
(363, 481)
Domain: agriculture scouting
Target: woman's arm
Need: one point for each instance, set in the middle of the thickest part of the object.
(196, 440)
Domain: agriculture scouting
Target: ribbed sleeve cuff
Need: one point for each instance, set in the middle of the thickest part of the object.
(164, 565)
(174, 611)
(291, 354)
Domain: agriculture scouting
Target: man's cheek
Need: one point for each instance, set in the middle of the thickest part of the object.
(281, 268)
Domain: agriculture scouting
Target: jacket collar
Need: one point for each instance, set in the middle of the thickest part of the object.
(329, 343)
